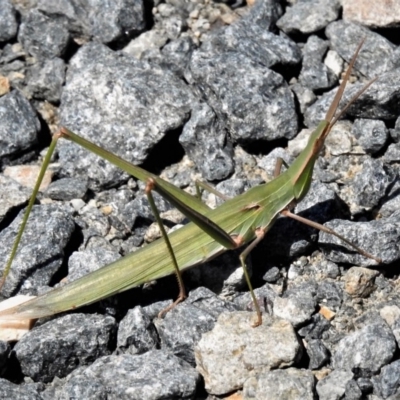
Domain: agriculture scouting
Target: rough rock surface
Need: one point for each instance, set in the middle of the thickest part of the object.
(211, 91)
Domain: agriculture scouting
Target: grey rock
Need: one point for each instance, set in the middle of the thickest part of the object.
(174, 7)
(205, 142)
(372, 15)
(34, 266)
(244, 164)
(371, 135)
(368, 318)
(11, 53)
(392, 154)
(53, 390)
(142, 207)
(390, 206)
(315, 74)
(320, 203)
(382, 284)
(107, 94)
(117, 219)
(380, 101)
(353, 391)
(372, 347)
(290, 238)
(396, 57)
(330, 294)
(13, 74)
(314, 328)
(339, 140)
(176, 54)
(359, 282)
(376, 54)
(180, 173)
(10, 390)
(94, 224)
(88, 19)
(124, 219)
(391, 315)
(272, 275)
(289, 384)
(67, 189)
(297, 306)
(387, 382)
(317, 353)
(268, 162)
(233, 349)
(8, 21)
(304, 95)
(264, 294)
(326, 269)
(267, 50)
(83, 262)
(146, 44)
(333, 386)
(341, 168)
(233, 187)
(262, 16)
(395, 132)
(12, 194)
(136, 334)
(42, 36)
(122, 207)
(382, 96)
(19, 127)
(5, 349)
(153, 310)
(379, 238)
(182, 327)
(365, 385)
(396, 330)
(393, 397)
(252, 115)
(116, 198)
(296, 270)
(308, 16)
(45, 79)
(174, 25)
(298, 143)
(369, 185)
(152, 376)
(57, 347)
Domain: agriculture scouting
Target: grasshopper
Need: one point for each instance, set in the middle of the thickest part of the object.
(242, 220)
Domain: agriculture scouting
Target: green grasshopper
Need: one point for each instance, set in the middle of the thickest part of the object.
(244, 219)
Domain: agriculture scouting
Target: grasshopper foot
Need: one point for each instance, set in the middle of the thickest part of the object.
(258, 322)
(171, 306)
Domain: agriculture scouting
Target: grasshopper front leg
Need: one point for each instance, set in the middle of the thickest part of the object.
(288, 213)
(182, 292)
(313, 224)
(260, 234)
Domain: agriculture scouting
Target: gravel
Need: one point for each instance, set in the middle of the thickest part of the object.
(214, 91)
